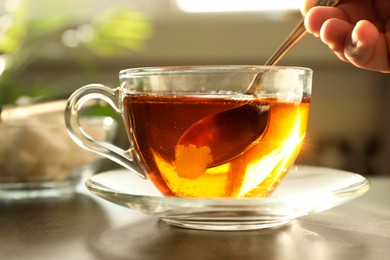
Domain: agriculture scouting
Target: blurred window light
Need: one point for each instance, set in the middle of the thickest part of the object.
(3, 63)
(217, 6)
(12, 6)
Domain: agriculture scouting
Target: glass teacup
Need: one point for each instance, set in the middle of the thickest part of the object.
(195, 131)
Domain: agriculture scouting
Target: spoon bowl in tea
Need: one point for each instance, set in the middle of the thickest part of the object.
(234, 124)
(245, 123)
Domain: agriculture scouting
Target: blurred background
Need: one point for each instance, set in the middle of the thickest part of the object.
(49, 48)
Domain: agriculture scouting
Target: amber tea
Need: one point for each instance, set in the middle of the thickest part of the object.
(157, 123)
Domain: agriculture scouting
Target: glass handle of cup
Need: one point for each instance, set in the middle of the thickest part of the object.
(75, 103)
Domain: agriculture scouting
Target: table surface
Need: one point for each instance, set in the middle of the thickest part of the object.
(87, 227)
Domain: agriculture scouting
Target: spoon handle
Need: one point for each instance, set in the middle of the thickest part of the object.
(296, 35)
(290, 41)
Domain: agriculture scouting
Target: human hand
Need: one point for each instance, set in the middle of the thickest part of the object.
(357, 31)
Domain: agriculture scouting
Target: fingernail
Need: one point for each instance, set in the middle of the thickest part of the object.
(354, 39)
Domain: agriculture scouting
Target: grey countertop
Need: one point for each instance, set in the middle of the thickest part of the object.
(86, 227)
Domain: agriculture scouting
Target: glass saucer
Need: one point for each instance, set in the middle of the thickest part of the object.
(305, 190)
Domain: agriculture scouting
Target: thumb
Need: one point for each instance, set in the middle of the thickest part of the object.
(306, 5)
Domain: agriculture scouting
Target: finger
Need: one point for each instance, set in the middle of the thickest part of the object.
(334, 33)
(317, 16)
(307, 4)
(366, 48)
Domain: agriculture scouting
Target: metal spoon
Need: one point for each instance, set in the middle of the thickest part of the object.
(252, 121)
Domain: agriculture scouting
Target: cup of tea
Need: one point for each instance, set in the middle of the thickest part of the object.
(204, 131)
